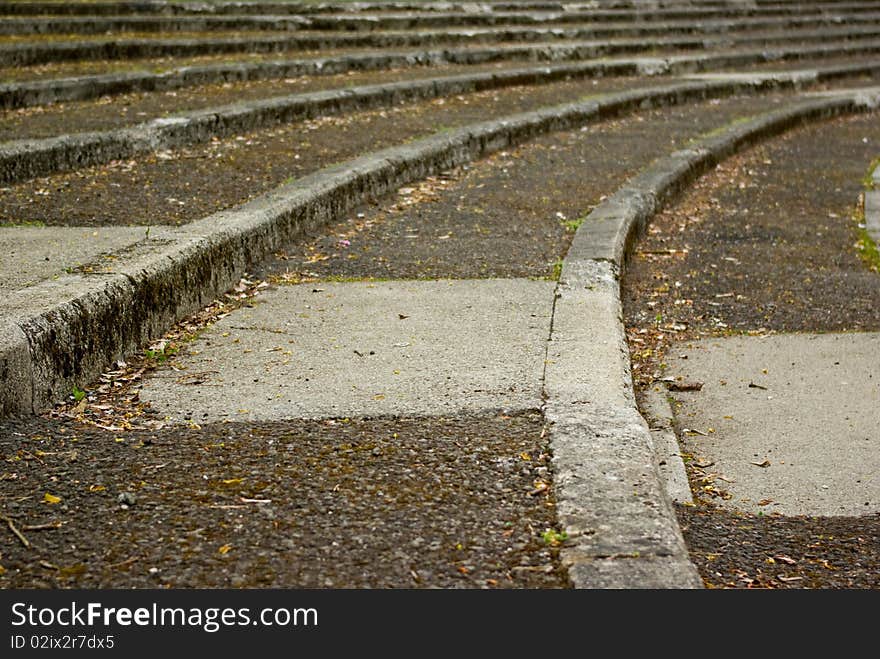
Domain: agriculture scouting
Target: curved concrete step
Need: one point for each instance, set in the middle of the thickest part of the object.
(56, 333)
(185, 8)
(409, 20)
(24, 159)
(603, 449)
(37, 52)
(41, 92)
(611, 502)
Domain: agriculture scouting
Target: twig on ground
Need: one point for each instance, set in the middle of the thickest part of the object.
(18, 534)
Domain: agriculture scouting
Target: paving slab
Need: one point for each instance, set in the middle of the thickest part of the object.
(792, 420)
(363, 349)
(32, 254)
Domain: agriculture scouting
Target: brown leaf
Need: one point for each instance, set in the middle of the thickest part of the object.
(684, 386)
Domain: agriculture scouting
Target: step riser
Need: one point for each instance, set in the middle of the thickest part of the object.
(19, 95)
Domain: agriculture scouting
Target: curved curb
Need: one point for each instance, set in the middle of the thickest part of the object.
(102, 24)
(123, 7)
(28, 54)
(43, 92)
(78, 324)
(610, 497)
(25, 159)
(872, 207)
(163, 7)
(41, 25)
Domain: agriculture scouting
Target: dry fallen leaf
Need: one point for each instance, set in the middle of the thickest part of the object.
(684, 386)
(225, 549)
(765, 463)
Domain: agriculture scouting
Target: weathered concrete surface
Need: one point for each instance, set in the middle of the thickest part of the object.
(807, 406)
(32, 254)
(38, 92)
(610, 497)
(872, 214)
(395, 20)
(872, 207)
(788, 29)
(670, 462)
(366, 349)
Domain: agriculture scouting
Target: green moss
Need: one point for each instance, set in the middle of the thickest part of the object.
(722, 129)
(865, 245)
(868, 179)
(25, 223)
(573, 225)
(867, 249)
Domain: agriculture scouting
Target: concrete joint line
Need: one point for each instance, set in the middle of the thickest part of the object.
(611, 497)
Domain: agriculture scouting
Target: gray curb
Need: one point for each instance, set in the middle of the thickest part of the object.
(41, 92)
(872, 207)
(657, 412)
(178, 8)
(481, 20)
(24, 159)
(611, 498)
(31, 53)
(394, 21)
(161, 7)
(78, 324)
(101, 25)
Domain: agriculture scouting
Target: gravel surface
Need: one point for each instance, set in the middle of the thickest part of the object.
(747, 551)
(384, 503)
(765, 243)
(177, 186)
(125, 109)
(503, 216)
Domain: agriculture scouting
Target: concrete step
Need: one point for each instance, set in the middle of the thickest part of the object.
(41, 92)
(72, 47)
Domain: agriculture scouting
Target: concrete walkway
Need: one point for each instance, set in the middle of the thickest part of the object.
(790, 423)
(366, 349)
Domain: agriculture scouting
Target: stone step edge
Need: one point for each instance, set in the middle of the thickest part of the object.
(872, 205)
(63, 332)
(178, 8)
(21, 160)
(35, 53)
(43, 92)
(611, 499)
(54, 25)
